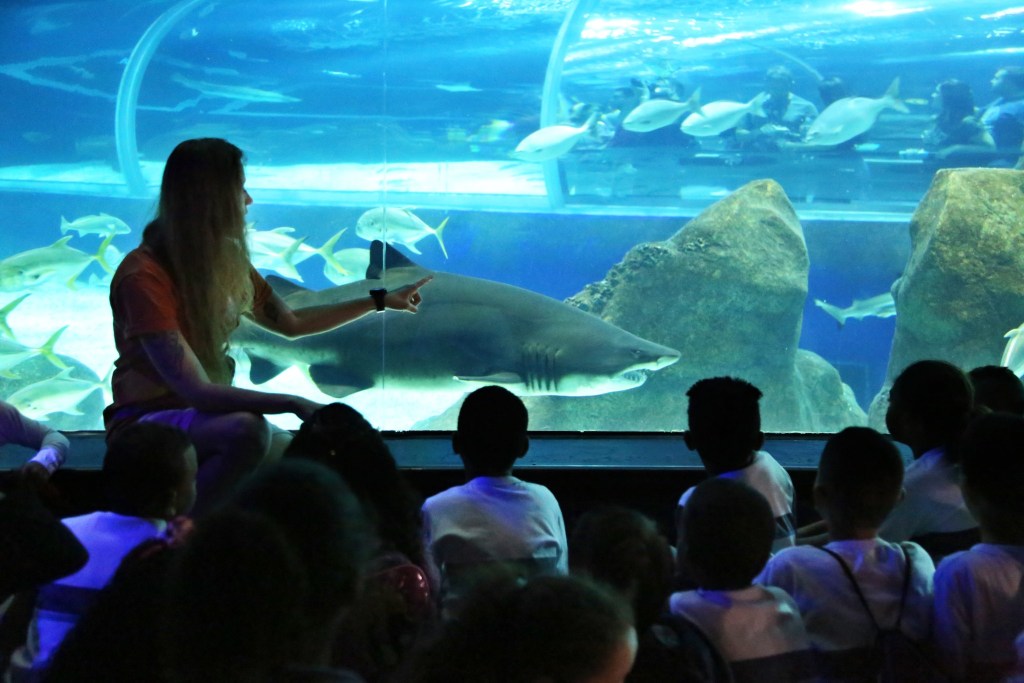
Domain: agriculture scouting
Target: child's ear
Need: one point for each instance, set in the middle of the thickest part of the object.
(760, 441)
(689, 440)
(456, 443)
(525, 447)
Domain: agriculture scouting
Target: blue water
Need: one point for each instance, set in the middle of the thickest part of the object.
(378, 85)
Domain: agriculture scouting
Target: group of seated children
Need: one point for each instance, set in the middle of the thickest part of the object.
(326, 567)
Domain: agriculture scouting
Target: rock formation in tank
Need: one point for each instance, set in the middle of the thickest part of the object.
(963, 285)
(727, 291)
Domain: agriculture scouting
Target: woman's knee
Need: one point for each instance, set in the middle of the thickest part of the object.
(245, 435)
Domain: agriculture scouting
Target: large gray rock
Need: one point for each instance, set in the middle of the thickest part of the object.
(963, 285)
(728, 292)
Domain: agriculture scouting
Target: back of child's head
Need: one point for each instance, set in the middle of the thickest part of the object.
(338, 437)
(624, 549)
(728, 531)
(149, 470)
(724, 422)
(997, 389)
(861, 476)
(935, 395)
(324, 523)
(235, 599)
(552, 628)
(992, 467)
(491, 432)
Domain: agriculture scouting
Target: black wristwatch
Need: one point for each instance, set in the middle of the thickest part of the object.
(378, 297)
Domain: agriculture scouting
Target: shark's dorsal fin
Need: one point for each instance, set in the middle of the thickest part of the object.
(384, 256)
(283, 287)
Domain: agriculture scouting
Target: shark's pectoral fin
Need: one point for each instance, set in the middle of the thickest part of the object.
(334, 381)
(262, 370)
(501, 378)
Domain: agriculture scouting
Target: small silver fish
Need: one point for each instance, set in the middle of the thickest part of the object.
(850, 116)
(97, 224)
(61, 393)
(551, 142)
(397, 226)
(57, 261)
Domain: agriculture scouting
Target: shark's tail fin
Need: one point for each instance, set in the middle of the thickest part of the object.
(833, 311)
(437, 234)
(892, 97)
(384, 256)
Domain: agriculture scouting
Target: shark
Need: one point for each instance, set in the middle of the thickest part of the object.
(243, 93)
(881, 306)
(469, 332)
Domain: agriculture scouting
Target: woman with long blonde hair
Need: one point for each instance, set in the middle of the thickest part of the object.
(177, 298)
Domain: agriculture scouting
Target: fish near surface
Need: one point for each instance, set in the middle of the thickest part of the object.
(551, 142)
(57, 261)
(721, 115)
(397, 226)
(848, 117)
(469, 332)
(658, 113)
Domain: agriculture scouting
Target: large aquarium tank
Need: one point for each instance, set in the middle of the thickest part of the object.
(616, 197)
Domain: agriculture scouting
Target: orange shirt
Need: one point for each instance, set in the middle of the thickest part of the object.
(144, 300)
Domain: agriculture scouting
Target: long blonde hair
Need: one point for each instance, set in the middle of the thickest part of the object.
(199, 236)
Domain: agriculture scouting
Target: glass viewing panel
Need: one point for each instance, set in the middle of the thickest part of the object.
(519, 149)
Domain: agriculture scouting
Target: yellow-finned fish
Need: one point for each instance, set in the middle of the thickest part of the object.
(98, 224)
(397, 226)
(12, 353)
(61, 393)
(57, 261)
(278, 251)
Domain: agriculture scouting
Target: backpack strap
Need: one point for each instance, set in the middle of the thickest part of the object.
(860, 595)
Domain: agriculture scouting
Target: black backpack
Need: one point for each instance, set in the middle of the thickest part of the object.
(894, 657)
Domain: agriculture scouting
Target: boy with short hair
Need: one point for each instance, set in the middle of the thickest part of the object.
(729, 529)
(149, 473)
(859, 480)
(997, 390)
(930, 405)
(494, 517)
(724, 428)
(979, 605)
